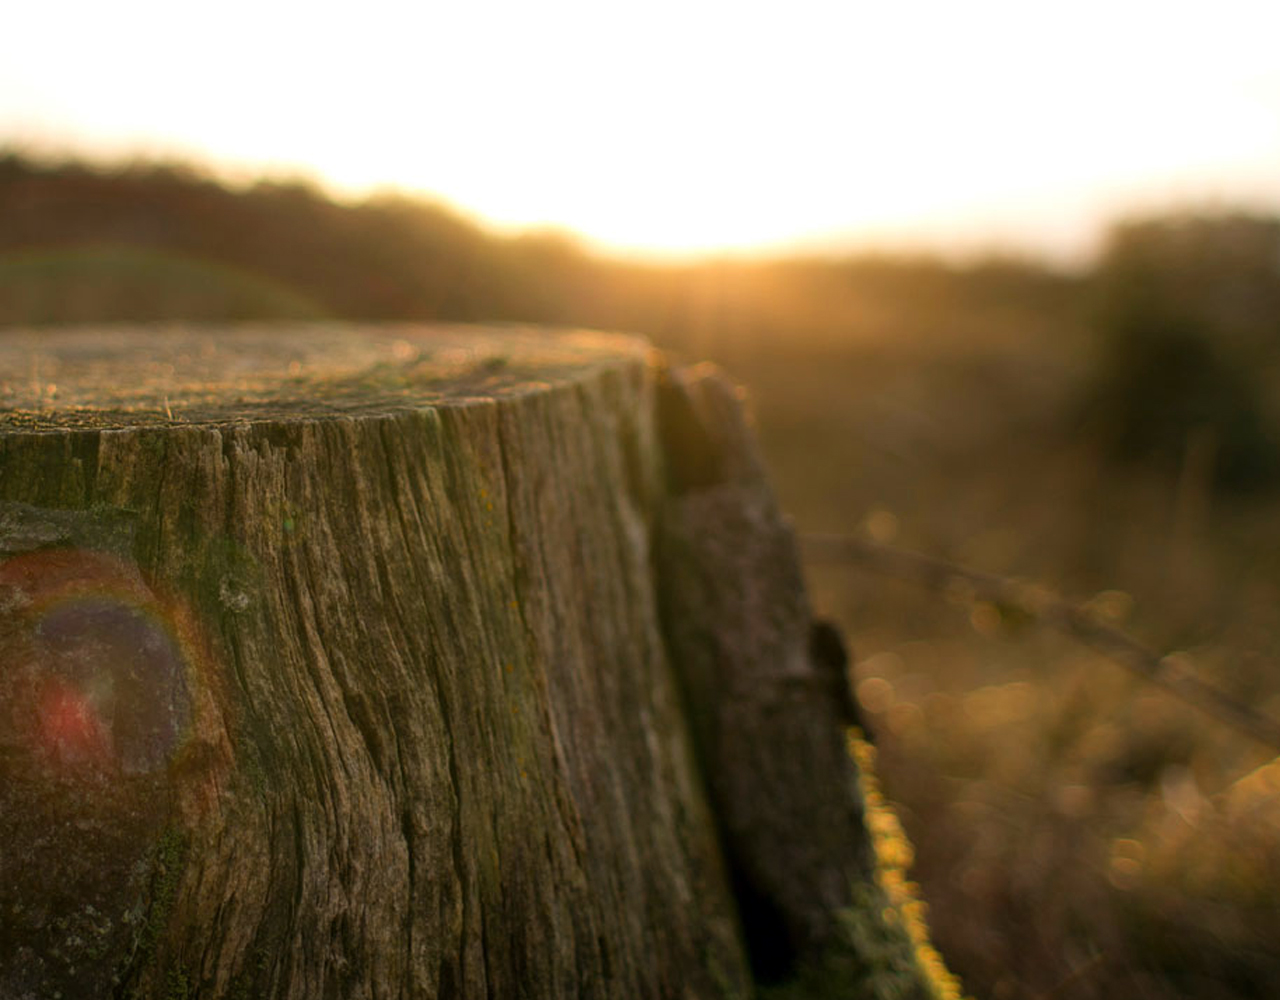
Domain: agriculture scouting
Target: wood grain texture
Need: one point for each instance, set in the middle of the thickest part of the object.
(402, 662)
(435, 748)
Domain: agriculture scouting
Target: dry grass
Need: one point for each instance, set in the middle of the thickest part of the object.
(1078, 834)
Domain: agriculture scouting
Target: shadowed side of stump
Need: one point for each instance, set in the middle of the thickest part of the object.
(768, 719)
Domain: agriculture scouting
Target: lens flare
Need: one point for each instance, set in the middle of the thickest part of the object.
(95, 676)
(70, 729)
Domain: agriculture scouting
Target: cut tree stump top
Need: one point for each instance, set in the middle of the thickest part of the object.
(122, 376)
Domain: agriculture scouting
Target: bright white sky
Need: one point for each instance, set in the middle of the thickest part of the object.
(721, 124)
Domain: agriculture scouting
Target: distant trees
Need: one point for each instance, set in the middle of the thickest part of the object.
(143, 242)
(1188, 312)
(387, 257)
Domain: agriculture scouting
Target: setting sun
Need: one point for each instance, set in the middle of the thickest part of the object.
(678, 127)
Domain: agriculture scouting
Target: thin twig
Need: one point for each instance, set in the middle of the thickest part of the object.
(1169, 672)
(1084, 971)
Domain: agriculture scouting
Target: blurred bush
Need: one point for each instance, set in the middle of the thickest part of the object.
(1188, 315)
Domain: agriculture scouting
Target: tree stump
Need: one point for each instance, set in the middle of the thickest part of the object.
(402, 662)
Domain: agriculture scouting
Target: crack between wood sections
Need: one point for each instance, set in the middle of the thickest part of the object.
(571, 822)
(387, 440)
(85, 446)
(444, 710)
(157, 498)
(305, 621)
(565, 807)
(233, 441)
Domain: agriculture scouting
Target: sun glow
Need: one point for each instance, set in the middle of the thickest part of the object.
(677, 127)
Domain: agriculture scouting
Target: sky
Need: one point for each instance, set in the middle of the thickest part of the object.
(696, 126)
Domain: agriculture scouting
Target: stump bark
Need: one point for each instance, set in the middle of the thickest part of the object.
(402, 662)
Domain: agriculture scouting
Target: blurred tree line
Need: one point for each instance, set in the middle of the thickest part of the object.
(1184, 310)
(141, 242)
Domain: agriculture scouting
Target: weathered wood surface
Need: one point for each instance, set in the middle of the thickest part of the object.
(768, 719)
(380, 663)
